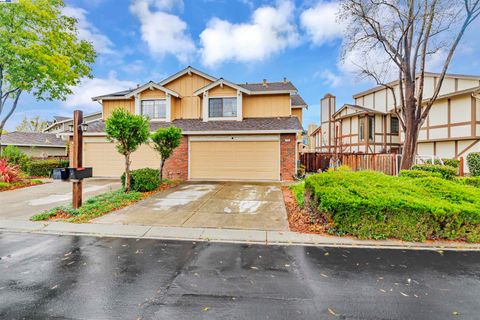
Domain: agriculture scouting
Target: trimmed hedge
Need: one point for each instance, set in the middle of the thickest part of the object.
(419, 174)
(471, 181)
(473, 162)
(43, 168)
(143, 180)
(448, 162)
(447, 172)
(373, 205)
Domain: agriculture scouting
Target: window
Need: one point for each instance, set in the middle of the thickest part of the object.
(154, 109)
(394, 125)
(222, 107)
(371, 128)
(362, 129)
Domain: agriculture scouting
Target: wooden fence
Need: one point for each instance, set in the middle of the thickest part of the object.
(386, 163)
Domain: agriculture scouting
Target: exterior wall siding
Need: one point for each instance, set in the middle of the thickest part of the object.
(288, 156)
(259, 106)
(298, 113)
(110, 105)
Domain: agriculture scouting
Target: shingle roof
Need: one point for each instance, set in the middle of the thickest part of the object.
(297, 101)
(60, 118)
(197, 125)
(32, 139)
(270, 86)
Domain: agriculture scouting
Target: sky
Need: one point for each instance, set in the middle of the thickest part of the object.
(239, 40)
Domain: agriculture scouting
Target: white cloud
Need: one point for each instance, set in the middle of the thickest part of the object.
(163, 32)
(270, 30)
(82, 94)
(87, 31)
(329, 78)
(320, 22)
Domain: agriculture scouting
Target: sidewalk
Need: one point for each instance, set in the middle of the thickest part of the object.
(221, 235)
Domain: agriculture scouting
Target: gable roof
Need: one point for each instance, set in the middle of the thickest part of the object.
(188, 70)
(298, 102)
(219, 82)
(284, 86)
(32, 139)
(130, 93)
(357, 108)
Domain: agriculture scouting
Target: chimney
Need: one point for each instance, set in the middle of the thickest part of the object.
(285, 80)
(138, 85)
(264, 83)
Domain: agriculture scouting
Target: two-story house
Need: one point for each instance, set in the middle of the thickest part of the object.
(369, 125)
(231, 131)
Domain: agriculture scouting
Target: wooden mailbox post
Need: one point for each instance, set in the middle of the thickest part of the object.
(77, 157)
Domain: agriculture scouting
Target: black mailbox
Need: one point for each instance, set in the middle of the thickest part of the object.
(80, 173)
(60, 174)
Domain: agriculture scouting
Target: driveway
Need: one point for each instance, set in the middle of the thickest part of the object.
(228, 205)
(21, 204)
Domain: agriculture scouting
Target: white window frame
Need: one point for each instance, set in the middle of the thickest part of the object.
(222, 118)
(155, 119)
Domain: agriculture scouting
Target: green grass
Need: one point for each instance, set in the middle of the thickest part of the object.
(5, 185)
(93, 207)
(299, 193)
(376, 206)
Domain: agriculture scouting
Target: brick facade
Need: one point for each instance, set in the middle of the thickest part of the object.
(287, 156)
(176, 167)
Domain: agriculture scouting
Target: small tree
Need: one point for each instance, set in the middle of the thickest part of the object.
(128, 131)
(34, 124)
(164, 142)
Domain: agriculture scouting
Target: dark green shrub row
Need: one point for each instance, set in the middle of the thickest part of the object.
(471, 181)
(447, 172)
(473, 162)
(419, 174)
(373, 205)
(448, 162)
(143, 180)
(43, 168)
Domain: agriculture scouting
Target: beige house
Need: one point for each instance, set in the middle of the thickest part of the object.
(36, 144)
(247, 131)
(369, 125)
(61, 124)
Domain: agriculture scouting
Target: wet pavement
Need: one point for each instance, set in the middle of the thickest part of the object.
(58, 277)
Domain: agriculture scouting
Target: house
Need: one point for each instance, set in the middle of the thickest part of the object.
(36, 144)
(61, 124)
(231, 131)
(370, 125)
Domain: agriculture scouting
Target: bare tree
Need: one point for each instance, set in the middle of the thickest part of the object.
(34, 124)
(394, 40)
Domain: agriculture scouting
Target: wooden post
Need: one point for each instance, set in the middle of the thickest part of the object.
(461, 167)
(77, 152)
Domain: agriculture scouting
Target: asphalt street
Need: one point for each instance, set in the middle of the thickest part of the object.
(73, 277)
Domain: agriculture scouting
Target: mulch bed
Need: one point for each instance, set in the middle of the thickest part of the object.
(20, 185)
(302, 219)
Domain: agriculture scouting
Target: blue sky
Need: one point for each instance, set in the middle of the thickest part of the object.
(240, 40)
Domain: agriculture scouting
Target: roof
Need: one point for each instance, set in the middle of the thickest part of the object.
(428, 74)
(188, 70)
(60, 118)
(316, 130)
(221, 82)
(67, 119)
(297, 101)
(269, 86)
(358, 108)
(192, 126)
(34, 139)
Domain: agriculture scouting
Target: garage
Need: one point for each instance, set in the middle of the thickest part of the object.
(234, 158)
(107, 162)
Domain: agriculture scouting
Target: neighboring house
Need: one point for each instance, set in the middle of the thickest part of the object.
(36, 144)
(451, 130)
(308, 143)
(248, 131)
(61, 124)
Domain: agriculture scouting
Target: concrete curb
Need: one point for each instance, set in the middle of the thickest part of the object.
(283, 238)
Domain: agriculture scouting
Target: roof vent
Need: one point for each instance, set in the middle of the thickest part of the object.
(264, 83)
(285, 80)
(138, 85)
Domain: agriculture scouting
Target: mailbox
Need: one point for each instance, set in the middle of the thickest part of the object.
(60, 174)
(80, 173)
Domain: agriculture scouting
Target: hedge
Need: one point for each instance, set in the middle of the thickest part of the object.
(446, 161)
(447, 172)
(143, 180)
(373, 205)
(471, 181)
(473, 162)
(43, 168)
(419, 174)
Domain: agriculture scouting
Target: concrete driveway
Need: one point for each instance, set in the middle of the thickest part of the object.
(23, 203)
(228, 205)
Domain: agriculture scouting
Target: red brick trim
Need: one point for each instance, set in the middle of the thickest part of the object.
(176, 167)
(287, 156)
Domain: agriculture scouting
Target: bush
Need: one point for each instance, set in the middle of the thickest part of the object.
(448, 162)
(143, 180)
(43, 168)
(8, 172)
(15, 156)
(373, 205)
(299, 193)
(447, 172)
(419, 174)
(471, 181)
(473, 162)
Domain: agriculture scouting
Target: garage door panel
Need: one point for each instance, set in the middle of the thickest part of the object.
(235, 160)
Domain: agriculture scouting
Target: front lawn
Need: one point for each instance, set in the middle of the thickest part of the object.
(6, 186)
(371, 205)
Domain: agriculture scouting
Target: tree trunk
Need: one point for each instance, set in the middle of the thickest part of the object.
(127, 173)
(409, 150)
(162, 163)
(1, 133)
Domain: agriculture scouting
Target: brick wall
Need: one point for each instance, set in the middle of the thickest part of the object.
(287, 156)
(176, 167)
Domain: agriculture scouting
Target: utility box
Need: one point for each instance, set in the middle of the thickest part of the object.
(80, 173)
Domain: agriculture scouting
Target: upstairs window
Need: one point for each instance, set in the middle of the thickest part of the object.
(222, 107)
(394, 125)
(371, 128)
(361, 129)
(154, 109)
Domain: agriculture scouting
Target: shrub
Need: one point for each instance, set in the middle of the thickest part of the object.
(448, 162)
(373, 205)
(473, 162)
(8, 172)
(419, 174)
(447, 172)
(471, 181)
(43, 168)
(299, 193)
(143, 180)
(14, 156)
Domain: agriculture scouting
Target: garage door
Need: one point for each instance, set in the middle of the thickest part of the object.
(235, 160)
(107, 162)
